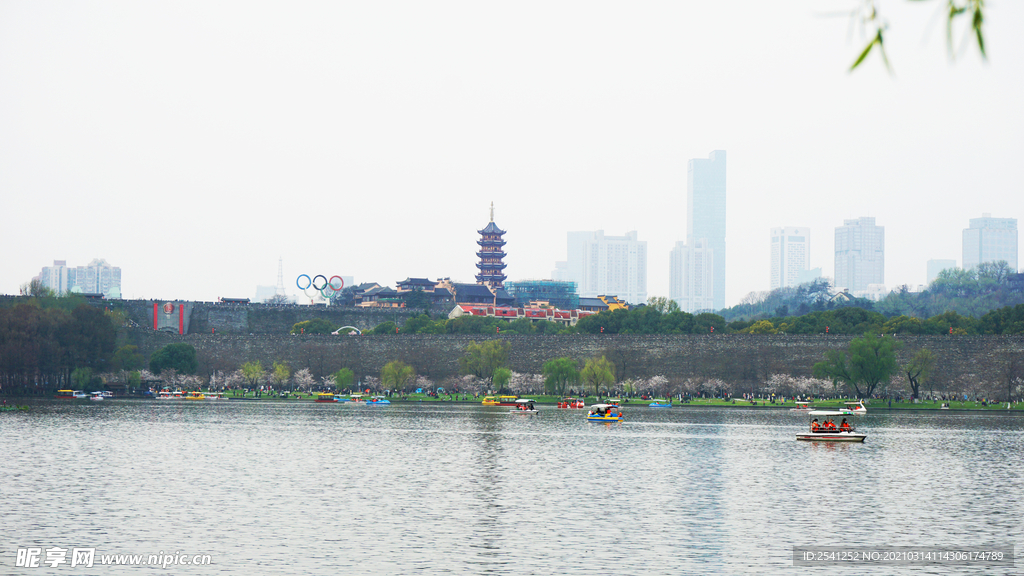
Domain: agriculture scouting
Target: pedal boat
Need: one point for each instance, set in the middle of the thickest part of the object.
(604, 413)
(821, 433)
(856, 407)
(524, 406)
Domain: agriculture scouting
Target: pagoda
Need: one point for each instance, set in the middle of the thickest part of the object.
(491, 266)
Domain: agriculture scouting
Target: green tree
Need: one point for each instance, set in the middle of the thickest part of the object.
(383, 329)
(421, 324)
(662, 304)
(707, 322)
(314, 326)
(81, 377)
(834, 368)
(761, 327)
(395, 375)
(344, 378)
(134, 379)
(417, 300)
(869, 361)
(482, 359)
(253, 372)
(89, 338)
(904, 325)
(128, 358)
(36, 289)
(180, 357)
(280, 372)
(559, 374)
(918, 370)
(598, 372)
(501, 378)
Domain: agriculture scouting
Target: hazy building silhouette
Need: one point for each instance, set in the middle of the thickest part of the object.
(791, 255)
(705, 231)
(937, 266)
(990, 240)
(605, 265)
(691, 276)
(97, 277)
(860, 254)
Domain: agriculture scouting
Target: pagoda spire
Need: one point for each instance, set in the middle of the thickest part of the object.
(491, 254)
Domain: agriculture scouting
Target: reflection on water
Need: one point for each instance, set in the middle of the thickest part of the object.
(288, 488)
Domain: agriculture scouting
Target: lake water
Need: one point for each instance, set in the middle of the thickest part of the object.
(305, 488)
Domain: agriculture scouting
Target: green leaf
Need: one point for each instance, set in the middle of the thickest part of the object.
(864, 54)
(978, 19)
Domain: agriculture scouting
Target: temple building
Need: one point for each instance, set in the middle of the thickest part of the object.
(491, 254)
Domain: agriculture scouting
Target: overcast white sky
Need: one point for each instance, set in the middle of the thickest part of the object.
(193, 143)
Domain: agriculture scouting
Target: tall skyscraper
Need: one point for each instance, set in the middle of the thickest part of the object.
(690, 281)
(860, 254)
(990, 240)
(791, 255)
(606, 265)
(936, 266)
(705, 226)
(98, 277)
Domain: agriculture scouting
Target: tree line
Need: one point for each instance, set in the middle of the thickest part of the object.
(45, 342)
(974, 292)
(663, 317)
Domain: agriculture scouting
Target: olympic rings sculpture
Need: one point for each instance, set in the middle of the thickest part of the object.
(322, 288)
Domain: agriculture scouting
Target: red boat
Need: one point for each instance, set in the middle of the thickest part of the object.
(571, 403)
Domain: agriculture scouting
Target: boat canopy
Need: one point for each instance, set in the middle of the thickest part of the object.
(524, 401)
(603, 406)
(829, 413)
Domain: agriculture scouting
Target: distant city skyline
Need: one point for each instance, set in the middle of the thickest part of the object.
(96, 277)
(193, 144)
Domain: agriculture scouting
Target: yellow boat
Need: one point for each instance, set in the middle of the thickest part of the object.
(604, 413)
(195, 396)
(500, 400)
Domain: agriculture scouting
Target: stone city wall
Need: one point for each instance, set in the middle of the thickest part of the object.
(215, 317)
(738, 359)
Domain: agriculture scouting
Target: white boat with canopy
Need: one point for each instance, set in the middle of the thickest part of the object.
(524, 406)
(824, 427)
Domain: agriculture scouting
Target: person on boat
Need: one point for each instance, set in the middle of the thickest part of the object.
(844, 426)
(814, 425)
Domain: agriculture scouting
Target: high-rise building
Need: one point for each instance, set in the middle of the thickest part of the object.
(605, 265)
(691, 276)
(705, 228)
(990, 240)
(791, 255)
(860, 254)
(97, 277)
(937, 266)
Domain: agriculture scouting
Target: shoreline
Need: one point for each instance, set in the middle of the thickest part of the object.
(997, 407)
